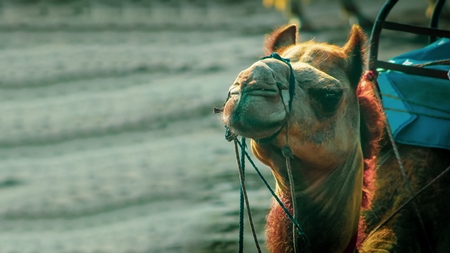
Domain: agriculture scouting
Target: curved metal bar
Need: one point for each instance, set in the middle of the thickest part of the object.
(418, 30)
(413, 70)
(432, 32)
(380, 23)
(434, 22)
(376, 31)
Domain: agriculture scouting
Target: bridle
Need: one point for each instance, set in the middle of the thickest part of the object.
(287, 153)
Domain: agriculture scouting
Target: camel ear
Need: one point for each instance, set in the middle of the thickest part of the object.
(354, 48)
(280, 38)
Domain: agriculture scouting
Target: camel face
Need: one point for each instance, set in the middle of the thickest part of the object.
(259, 98)
(257, 105)
(324, 118)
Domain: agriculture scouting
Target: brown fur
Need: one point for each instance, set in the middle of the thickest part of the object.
(278, 228)
(372, 125)
(274, 43)
(403, 233)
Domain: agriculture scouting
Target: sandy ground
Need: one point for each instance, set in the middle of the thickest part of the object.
(108, 141)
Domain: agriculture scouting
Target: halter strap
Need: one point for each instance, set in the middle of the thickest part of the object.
(287, 153)
(275, 55)
(229, 135)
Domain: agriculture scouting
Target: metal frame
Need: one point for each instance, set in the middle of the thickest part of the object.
(433, 32)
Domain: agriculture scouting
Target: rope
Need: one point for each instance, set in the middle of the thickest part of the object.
(288, 154)
(286, 150)
(286, 211)
(371, 77)
(432, 63)
(241, 204)
(275, 55)
(241, 167)
(409, 201)
(416, 113)
(413, 102)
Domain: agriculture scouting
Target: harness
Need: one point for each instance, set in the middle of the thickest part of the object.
(287, 153)
(275, 55)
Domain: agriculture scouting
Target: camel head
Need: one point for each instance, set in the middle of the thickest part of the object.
(320, 121)
(324, 118)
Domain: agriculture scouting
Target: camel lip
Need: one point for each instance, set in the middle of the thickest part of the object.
(264, 135)
(256, 92)
(261, 90)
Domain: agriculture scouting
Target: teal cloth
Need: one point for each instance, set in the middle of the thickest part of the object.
(417, 107)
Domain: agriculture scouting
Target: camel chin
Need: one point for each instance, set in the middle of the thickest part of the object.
(255, 113)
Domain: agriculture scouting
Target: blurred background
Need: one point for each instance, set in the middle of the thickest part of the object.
(108, 143)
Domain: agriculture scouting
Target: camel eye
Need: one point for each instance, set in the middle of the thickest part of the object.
(326, 99)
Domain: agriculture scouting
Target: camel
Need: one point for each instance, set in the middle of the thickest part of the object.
(345, 174)
(294, 10)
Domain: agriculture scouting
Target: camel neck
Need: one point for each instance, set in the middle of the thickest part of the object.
(328, 207)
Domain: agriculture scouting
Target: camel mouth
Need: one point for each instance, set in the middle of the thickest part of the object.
(261, 91)
(253, 127)
(256, 90)
(256, 112)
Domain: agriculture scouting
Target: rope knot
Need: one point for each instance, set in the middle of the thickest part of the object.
(369, 75)
(292, 82)
(287, 152)
(229, 135)
(275, 55)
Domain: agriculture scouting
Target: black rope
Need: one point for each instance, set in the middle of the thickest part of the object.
(409, 201)
(297, 230)
(416, 113)
(416, 103)
(286, 150)
(241, 207)
(294, 221)
(241, 167)
(242, 172)
(275, 55)
(230, 136)
(401, 167)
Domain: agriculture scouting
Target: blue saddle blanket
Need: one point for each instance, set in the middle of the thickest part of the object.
(417, 107)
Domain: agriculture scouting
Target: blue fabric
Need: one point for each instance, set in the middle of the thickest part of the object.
(417, 107)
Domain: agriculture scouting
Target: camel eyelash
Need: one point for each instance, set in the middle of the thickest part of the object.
(327, 98)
